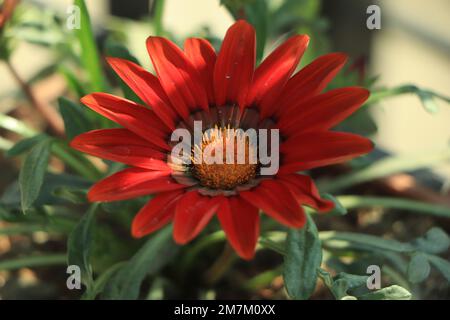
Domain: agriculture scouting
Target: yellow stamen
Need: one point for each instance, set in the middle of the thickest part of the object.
(224, 176)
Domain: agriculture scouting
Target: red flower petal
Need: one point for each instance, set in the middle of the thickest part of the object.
(271, 76)
(202, 55)
(323, 111)
(277, 201)
(311, 80)
(132, 183)
(317, 149)
(193, 213)
(305, 191)
(234, 67)
(120, 145)
(240, 221)
(147, 87)
(156, 213)
(132, 116)
(177, 75)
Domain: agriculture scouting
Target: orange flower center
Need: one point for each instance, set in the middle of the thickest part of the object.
(225, 159)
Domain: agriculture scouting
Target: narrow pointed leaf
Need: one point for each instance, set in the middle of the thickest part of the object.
(74, 117)
(79, 246)
(89, 52)
(24, 145)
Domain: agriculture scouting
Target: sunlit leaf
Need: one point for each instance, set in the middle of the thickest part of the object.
(390, 293)
(89, 52)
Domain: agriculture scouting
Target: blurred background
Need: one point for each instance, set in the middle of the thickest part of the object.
(411, 48)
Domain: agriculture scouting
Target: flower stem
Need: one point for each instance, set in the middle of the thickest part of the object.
(221, 265)
(202, 244)
(53, 119)
(157, 19)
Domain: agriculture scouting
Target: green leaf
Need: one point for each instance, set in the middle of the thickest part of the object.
(33, 262)
(346, 240)
(75, 120)
(79, 246)
(434, 241)
(384, 168)
(74, 84)
(72, 195)
(303, 258)
(158, 17)
(426, 96)
(101, 281)
(31, 176)
(428, 101)
(89, 53)
(257, 15)
(117, 50)
(352, 202)
(442, 265)
(339, 209)
(53, 182)
(156, 252)
(390, 293)
(418, 268)
(345, 281)
(25, 145)
(360, 122)
(76, 160)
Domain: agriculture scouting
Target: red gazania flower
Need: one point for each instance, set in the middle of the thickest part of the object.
(223, 90)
